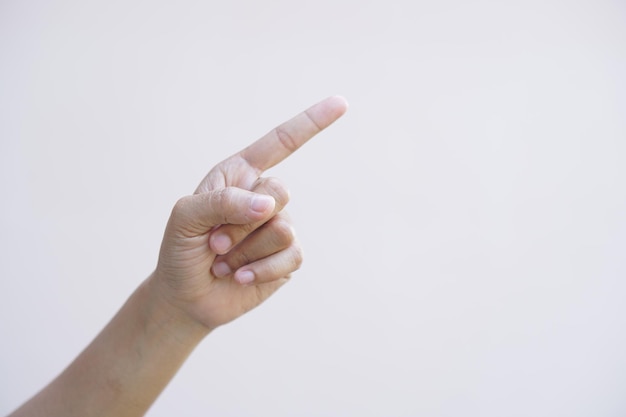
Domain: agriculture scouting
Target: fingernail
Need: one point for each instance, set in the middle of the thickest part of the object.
(261, 203)
(244, 277)
(221, 243)
(221, 269)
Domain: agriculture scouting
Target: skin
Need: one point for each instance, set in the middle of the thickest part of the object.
(225, 250)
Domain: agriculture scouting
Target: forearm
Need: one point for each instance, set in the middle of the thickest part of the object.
(126, 367)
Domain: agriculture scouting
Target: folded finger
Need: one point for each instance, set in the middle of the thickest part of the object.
(225, 237)
(271, 268)
(274, 236)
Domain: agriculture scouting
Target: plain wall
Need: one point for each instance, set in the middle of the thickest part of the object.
(463, 225)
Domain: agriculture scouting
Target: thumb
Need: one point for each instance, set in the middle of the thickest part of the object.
(197, 214)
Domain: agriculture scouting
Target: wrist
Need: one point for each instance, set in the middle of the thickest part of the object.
(162, 315)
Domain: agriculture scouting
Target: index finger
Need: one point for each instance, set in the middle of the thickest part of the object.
(285, 139)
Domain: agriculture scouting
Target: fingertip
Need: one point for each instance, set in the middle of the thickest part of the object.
(327, 111)
(340, 102)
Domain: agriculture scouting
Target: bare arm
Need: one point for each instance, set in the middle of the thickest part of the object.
(226, 249)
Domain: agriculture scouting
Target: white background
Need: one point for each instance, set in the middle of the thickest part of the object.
(464, 224)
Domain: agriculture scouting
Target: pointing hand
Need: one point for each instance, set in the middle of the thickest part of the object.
(228, 246)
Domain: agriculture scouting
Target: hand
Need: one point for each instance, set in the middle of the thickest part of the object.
(231, 224)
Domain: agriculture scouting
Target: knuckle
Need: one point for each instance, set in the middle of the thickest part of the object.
(286, 139)
(298, 256)
(222, 197)
(283, 232)
(181, 207)
(241, 258)
(283, 216)
(222, 201)
(241, 231)
(277, 189)
(182, 217)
